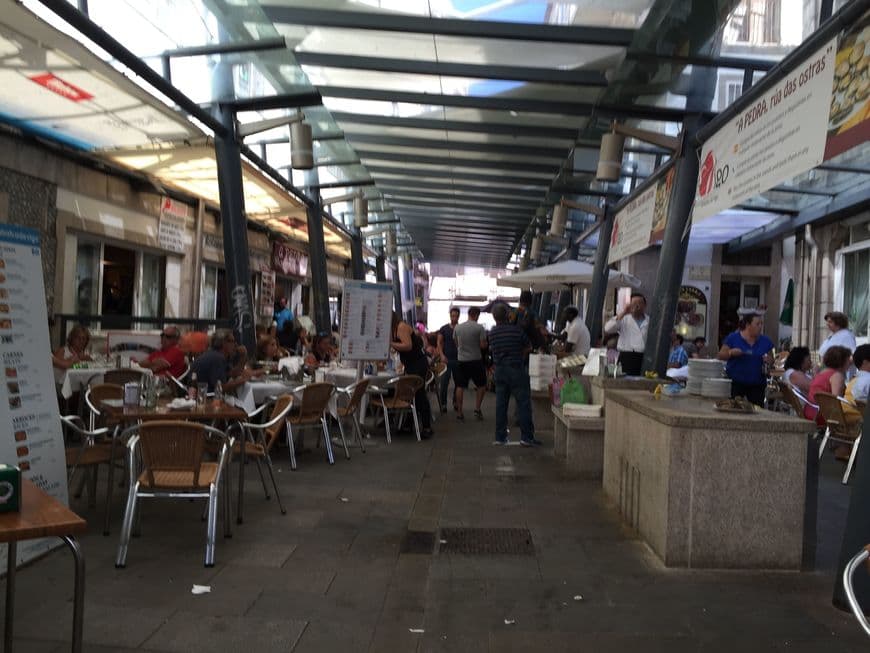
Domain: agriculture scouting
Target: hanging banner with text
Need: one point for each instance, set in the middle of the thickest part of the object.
(642, 221)
(28, 400)
(171, 227)
(849, 122)
(782, 135)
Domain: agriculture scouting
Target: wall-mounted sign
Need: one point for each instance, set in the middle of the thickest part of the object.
(171, 226)
(632, 226)
(267, 293)
(849, 121)
(691, 320)
(289, 261)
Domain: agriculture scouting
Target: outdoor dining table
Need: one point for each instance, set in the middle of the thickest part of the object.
(120, 415)
(77, 379)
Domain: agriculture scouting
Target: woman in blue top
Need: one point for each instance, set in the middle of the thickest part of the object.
(747, 350)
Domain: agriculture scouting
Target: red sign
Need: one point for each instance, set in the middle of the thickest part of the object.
(56, 85)
(288, 261)
(707, 170)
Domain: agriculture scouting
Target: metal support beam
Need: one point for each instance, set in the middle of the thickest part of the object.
(83, 6)
(595, 309)
(476, 29)
(277, 43)
(825, 11)
(232, 204)
(454, 162)
(422, 197)
(499, 103)
(356, 257)
(282, 101)
(748, 74)
(317, 260)
(397, 287)
(413, 184)
(388, 174)
(448, 69)
(738, 63)
(380, 269)
(344, 184)
(459, 146)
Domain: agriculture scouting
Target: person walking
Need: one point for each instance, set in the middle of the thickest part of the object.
(631, 324)
(408, 343)
(509, 347)
(470, 340)
(746, 352)
(446, 348)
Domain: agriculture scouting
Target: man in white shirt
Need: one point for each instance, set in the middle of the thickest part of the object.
(577, 339)
(631, 324)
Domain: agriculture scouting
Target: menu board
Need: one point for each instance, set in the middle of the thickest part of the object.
(28, 405)
(366, 320)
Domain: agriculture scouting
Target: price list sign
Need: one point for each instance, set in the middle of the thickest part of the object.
(32, 437)
(366, 320)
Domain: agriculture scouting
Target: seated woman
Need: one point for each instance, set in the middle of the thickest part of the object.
(832, 380)
(75, 351)
(797, 369)
(321, 352)
(267, 348)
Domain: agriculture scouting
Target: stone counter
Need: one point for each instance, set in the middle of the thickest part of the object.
(603, 384)
(579, 441)
(707, 489)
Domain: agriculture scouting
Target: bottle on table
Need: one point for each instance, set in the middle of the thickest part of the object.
(218, 393)
(191, 389)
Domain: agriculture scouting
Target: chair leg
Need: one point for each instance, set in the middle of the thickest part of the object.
(212, 526)
(416, 420)
(851, 460)
(274, 484)
(127, 526)
(227, 503)
(824, 442)
(387, 423)
(290, 444)
(343, 439)
(262, 478)
(325, 428)
(359, 437)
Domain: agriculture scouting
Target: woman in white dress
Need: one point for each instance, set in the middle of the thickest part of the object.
(840, 336)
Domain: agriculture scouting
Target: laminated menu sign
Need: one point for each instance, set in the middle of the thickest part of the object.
(366, 320)
(28, 406)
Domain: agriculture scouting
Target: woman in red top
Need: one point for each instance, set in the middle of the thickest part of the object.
(832, 380)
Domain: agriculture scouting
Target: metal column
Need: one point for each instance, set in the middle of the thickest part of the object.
(381, 269)
(356, 256)
(411, 314)
(546, 301)
(233, 221)
(397, 288)
(566, 296)
(595, 309)
(317, 256)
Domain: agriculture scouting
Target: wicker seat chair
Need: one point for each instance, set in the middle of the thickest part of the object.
(95, 395)
(86, 449)
(355, 393)
(171, 454)
(312, 410)
(402, 400)
(838, 428)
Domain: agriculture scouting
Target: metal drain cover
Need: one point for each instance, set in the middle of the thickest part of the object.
(422, 542)
(487, 541)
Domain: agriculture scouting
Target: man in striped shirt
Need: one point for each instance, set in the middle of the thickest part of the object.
(509, 346)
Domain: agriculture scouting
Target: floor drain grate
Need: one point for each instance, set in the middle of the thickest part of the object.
(487, 541)
(418, 542)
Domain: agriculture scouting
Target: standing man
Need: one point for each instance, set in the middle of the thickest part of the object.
(447, 351)
(631, 324)
(283, 316)
(169, 359)
(470, 338)
(509, 347)
(577, 338)
(525, 317)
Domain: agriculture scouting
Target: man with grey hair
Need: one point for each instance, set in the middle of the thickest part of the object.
(169, 359)
(509, 346)
(214, 365)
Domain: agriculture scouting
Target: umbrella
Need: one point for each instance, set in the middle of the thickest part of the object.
(565, 274)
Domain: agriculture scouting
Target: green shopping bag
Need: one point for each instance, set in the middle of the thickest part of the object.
(573, 392)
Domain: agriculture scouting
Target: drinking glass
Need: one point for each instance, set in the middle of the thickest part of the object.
(201, 391)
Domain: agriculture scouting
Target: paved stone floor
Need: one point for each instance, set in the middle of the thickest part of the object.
(338, 572)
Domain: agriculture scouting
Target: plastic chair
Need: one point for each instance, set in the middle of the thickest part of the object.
(838, 428)
(171, 455)
(404, 388)
(355, 393)
(311, 412)
(848, 574)
(257, 443)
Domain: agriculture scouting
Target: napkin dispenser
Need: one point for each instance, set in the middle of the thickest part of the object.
(10, 488)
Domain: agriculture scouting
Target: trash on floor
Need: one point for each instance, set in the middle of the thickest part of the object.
(509, 622)
(577, 597)
(200, 589)
(417, 631)
(344, 499)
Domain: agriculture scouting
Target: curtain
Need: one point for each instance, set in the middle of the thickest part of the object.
(856, 290)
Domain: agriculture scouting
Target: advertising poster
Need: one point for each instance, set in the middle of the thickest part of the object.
(776, 138)
(288, 261)
(28, 402)
(849, 120)
(663, 203)
(366, 320)
(691, 320)
(171, 227)
(632, 226)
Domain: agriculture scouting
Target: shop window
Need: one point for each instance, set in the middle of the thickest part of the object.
(757, 22)
(119, 278)
(856, 281)
(152, 286)
(88, 272)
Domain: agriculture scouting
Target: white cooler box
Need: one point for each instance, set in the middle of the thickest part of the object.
(581, 410)
(542, 365)
(538, 383)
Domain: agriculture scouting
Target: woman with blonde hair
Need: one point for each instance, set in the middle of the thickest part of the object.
(74, 351)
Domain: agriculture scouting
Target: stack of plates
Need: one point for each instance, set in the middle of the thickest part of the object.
(700, 369)
(716, 388)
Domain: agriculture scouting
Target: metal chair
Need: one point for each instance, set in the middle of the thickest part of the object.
(92, 450)
(838, 428)
(795, 400)
(404, 388)
(122, 376)
(172, 467)
(848, 573)
(312, 410)
(98, 393)
(257, 442)
(355, 393)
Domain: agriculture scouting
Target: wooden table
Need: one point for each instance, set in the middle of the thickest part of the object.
(42, 515)
(122, 415)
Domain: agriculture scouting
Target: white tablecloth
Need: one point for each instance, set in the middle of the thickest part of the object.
(78, 379)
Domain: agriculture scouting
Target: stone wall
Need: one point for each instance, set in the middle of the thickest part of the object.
(32, 202)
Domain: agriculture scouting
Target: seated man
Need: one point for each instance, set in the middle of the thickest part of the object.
(678, 356)
(169, 359)
(216, 364)
(859, 387)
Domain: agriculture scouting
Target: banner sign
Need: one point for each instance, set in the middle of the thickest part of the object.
(632, 226)
(775, 139)
(28, 400)
(366, 320)
(289, 261)
(849, 121)
(171, 227)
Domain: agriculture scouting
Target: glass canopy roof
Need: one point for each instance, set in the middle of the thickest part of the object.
(460, 118)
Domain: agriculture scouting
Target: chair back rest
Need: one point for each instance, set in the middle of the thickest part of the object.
(831, 410)
(406, 387)
(282, 402)
(122, 376)
(791, 399)
(438, 368)
(359, 391)
(315, 399)
(172, 446)
(99, 393)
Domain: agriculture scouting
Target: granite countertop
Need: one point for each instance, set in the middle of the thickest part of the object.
(698, 412)
(626, 382)
(573, 422)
